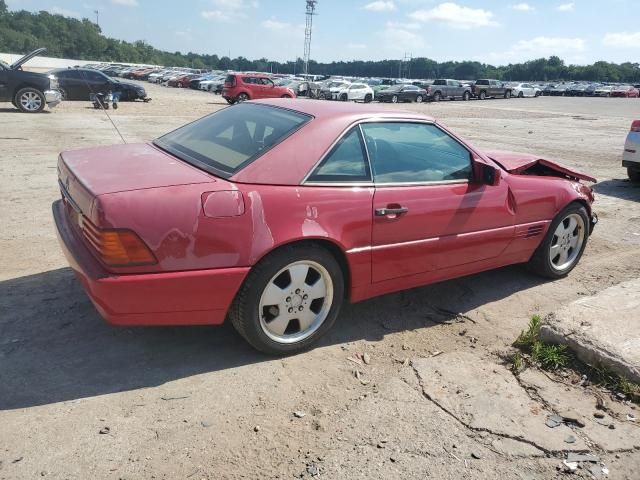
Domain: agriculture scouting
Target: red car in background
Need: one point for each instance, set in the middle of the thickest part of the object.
(240, 87)
(183, 81)
(272, 213)
(626, 91)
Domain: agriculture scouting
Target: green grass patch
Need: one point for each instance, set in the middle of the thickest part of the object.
(550, 357)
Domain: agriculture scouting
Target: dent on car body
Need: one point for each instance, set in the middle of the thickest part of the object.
(527, 164)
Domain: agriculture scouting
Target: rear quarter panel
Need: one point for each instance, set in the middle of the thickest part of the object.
(172, 223)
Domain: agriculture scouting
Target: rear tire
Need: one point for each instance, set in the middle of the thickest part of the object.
(521, 95)
(437, 97)
(419, 99)
(243, 97)
(270, 287)
(368, 98)
(344, 97)
(394, 99)
(466, 96)
(483, 95)
(507, 94)
(564, 244)
(634, 175)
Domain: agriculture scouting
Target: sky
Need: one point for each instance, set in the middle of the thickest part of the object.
(490, 31)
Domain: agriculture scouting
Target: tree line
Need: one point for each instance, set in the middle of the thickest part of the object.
(22, 31)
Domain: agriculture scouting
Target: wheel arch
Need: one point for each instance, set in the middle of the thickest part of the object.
(26, 85)
(335, 249)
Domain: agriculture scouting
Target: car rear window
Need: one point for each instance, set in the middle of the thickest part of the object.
(482, 82)
(227, 141)
(440, 82)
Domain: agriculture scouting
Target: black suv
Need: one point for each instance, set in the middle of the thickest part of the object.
(27, 91)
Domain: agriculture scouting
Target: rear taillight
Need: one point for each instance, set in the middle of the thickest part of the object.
(635, 126)
(117, 247)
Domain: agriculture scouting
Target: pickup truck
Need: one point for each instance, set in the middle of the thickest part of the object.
(485, 88)
(28, 91)
(446, 88)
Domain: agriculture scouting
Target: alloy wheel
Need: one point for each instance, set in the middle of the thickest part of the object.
(296, 302)
(567, 241)
(31, 101)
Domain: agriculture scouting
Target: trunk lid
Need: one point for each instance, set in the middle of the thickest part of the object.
(85, 174)
(121, 168)
(519, 163)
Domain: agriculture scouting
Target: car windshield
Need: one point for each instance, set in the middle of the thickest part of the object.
(227, 141)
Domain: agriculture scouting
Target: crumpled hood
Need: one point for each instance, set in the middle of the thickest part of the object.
(518, 163)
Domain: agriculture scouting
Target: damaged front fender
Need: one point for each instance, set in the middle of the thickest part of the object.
(527, 164)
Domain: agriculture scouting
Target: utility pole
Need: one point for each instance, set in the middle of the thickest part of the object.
(97, 12)
(311, 11)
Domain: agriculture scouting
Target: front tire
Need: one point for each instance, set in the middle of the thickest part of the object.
(466, 96)
(564, 244)
(634, 175)
(289, 299)
(483, 95)
(507, 94)
(368, 98)
(419, 99)
(30, 100)
(394, 99)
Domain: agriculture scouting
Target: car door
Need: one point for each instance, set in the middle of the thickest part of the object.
(74, 86)
(430, 213)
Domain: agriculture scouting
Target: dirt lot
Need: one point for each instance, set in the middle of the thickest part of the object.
(80, 399)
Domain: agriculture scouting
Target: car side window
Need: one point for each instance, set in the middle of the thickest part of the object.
(414, 153)
(346, 162)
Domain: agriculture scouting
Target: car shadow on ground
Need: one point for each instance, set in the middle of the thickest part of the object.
(55, 347)
(619, 188)
(15, 110)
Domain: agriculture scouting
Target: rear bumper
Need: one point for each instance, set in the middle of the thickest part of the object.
(194, 297)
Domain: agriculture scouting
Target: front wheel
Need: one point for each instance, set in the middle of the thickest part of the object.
(564, 243)
(483, 95)
(368, 98)
(289, 299)
(30, 100)
(466, 96)
(419, 99)
(394, 99)
(344, 97)
(634, 175)
(507, 94)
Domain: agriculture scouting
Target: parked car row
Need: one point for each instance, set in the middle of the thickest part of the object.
(591, 90)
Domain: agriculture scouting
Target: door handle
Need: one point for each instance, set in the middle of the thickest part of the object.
(381, 212)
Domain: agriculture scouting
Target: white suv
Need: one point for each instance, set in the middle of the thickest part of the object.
(631, 155)
(354, 91)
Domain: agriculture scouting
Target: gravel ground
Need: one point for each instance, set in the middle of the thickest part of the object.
(80, 399)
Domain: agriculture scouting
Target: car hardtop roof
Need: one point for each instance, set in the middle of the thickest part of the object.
(324, 110)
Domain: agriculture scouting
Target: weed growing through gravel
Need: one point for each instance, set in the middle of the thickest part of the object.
(550, 357)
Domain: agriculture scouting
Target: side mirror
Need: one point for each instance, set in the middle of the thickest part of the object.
(489, 175)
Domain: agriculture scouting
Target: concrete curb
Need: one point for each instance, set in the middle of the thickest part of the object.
(603, 329)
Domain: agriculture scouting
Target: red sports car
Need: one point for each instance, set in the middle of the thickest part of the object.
(272, 213)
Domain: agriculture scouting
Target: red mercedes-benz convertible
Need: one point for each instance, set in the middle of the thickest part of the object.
(272, 213)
